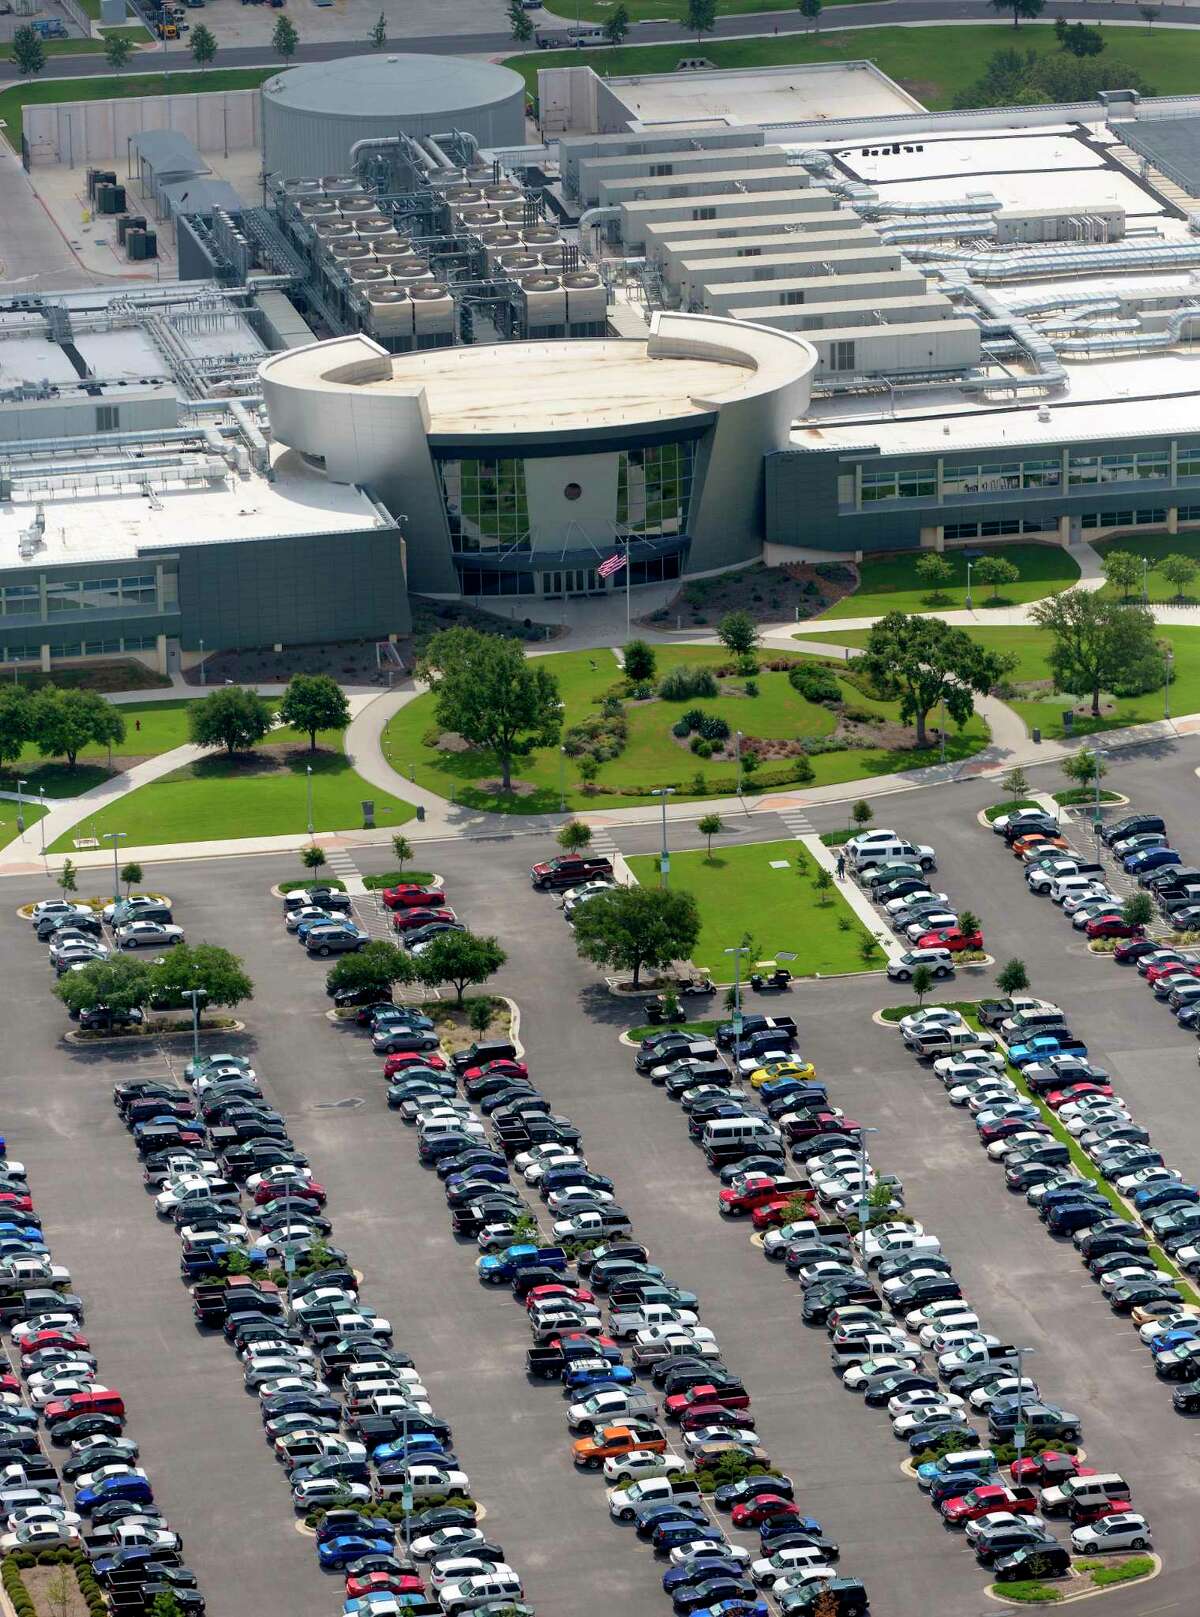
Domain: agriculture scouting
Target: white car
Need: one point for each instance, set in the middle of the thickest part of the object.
(104, 1473)
(38, 1535)
(768, 1571)
(924, 1021)
(895, 905)
(44, 1322)
(683, 1553)
(570, 1197)
(31, 1515)
(445, 1539)
(965, 1319)
(491, 1588)
(947, 1340)
(36, 1270)
(694, 1440)
(1124, 1530)
(291, 1383)
(642, 1463)
(148, 935)
(455, 1568)
(999, 1149)
(908, 1422)
(982, 1398)
(1185, 1316)
(933, 1313)
(60, 1387)
(664, 1341)
(605, 1408)
(192, 1186)
(1002, 1518)
(56, 906)
(324, 1490)
(990, 1088)
(952, 1070)
(559, 1156)
(803, 1578)
(923, 1398)
(898, 1282)
(856, 1377)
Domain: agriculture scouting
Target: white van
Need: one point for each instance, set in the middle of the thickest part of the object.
(878, 852)
(966, 1463)
(1063, 886)
(727, 1138)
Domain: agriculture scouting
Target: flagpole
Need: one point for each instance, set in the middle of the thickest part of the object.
(627, 573)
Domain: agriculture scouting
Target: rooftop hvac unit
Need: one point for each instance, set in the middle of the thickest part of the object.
(390, 312)
(538, 237)
(587, 299)
(433, 309)
(415, 273)
(341, 185)
(520, 263)
(545, 301)
(397, 258)
(503, 193)
(354, 207)
(513, 212)
(501, 237)
(365, 274)
(317, 207)
(335, 230)
(350, 252)
(369, 229)
(456, 194)
(300, 188)
(391, 242)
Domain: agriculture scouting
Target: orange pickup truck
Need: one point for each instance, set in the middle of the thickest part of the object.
(591, 1452)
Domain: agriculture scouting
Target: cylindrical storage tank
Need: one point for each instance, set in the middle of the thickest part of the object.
(545, 301)
(313, 114)
(350, 252)
(433, 309)
(587, 298)
(369, 273)
(390, 312)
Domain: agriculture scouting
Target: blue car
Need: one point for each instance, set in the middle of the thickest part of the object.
(419, 1446)
(700, 1568)
(1137, 864)
(649, 1518)
(679, 1530)
(495, 1174)
(347, 1547)
(480, 1158)
(789, 1524)
(1156, 1195)
(131, 1489)
(735, 1608)
(592, 1374)
(1167, 1340)
(1043, 1047)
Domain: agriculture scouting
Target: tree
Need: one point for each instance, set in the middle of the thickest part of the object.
(639, 659)
(402, 850)
(934, 571)
(519, 25)
(922, 982)
(65, 721)
(997, 570)
(16, 722)
(66, 878)
(378, 965)
(60, 1592)
(166, 1605)
(219, 972)
(631, 927)
(234, 718)
(117, 51)
(700, 17)
(378, 34)
(1138, 909)
(1084, 767)
(1149, 15)
(739, 632)
(1097, 643)
(1029, 9)
(490, 695)
(811, 9)
(121, 983)
(1122, 569)
(480, 1016)
(1081, 40)
(589, 768)
(1179, 571)
(314, 702)
(1023, 78)
(574, 836)
(284, 39)
(616, 24)
(131, 875)
(203, 45)
(822, 881)
(862, 814)
(312, 857)
(1016, 784)
(462, 959)
(710, 826)
(968, 921)
(923, 662)
(28, 51)
(1012, 978)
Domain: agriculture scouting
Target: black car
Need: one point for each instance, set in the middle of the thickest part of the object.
(1035, 1562)
(1132, 825)
(839, 1597)
(105, 1019)
(738, 1493)
(820, 1301)
(346, 998)
(934, 1289)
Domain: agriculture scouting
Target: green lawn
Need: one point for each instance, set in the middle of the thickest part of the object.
(1154, 548)
(740, 894)
(891, 584)
(934, 64)
(652, 756)
(219, 798)
(8, 823)
(1031, 646)
(188, 82)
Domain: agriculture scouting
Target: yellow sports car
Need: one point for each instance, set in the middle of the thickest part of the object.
(792, 1068)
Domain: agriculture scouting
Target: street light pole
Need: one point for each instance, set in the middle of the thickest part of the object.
(862, 1173)
(203, 670)
(116, 838)
(969, 566)
(562, 780)
(664, 868)
(738, 750)
(1019, 1429)
(1098, 756)
(942, 725)
(20, 809)
(1145, 591)
(196, 995)
(737, 952)
(1170, 657)
(308, 774)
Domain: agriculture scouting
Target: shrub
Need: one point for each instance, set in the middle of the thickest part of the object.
(699, 783)
(685, 683)
(602, 738)
(642, 691)
(814, 682)
(693, 718)
(611, 707)
(713, 727)
(681, 728)
(751, 687)
(431, 736)
(814, 745)
(701, 747)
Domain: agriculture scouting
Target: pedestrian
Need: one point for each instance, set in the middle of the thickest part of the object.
(137, 724)
(841, 866)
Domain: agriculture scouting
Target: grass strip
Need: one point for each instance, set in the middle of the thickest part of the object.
(396, 878)
(1138, 1566)
(702, 1030)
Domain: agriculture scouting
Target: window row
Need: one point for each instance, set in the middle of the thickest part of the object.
(920, 483)
(989, 530)
(103, 648)
(1155, 517)
(80, 595)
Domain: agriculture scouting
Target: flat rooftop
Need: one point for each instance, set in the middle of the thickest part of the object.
(764, 96)
(534, 385)
(89, 524)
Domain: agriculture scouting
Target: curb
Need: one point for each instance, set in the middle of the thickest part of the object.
(82, 1041)
(994, 1591)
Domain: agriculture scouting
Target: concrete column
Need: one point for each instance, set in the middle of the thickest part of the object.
(932, 539)
(45, 657)
(1172, 519)
(1064, 530)
(160, 653)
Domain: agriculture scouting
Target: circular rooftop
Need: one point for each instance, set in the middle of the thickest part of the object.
(538, 386)
(416, 87)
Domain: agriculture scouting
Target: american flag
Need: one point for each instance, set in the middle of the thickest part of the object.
(613, 565)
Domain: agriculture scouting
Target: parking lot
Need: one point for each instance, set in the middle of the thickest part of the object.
(200, 1436)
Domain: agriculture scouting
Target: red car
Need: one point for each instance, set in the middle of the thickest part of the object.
(987, 1498)
(307, 1190)
(1060, 1097)
(1081, 1514)
(759, 1188)
(990, 1132)
(494, 1069)
(768, 1508)
(1048, 1467)
(733, 1397)
(952, 938)
(411, 895)
(1164, 967)
(770, 1215)
(413, 1058)
(1127, 953)
(1112, 926)
(807, 1125)
(24, 1204)
(396, 1583)
(540, 1294)
(10, 1383)
(406, 920)
(85, 1403)
(716, 1415)
(46, 1339)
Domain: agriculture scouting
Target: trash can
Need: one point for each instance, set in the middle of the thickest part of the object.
(420, 812)
(1037, 735)
(368, 814)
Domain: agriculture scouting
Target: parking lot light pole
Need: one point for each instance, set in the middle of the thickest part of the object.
(1019, 1429)
(308, 775)
(1145, 591)
(737, 953)
(862, 1172)
(20, 809)
(970, 564)
(562, 780)
(1099, 757)
(664, 868)
(116, 838)
(1169, 659)
(196, 995)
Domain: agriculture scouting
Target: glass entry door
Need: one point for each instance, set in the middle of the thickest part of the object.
(571, 581)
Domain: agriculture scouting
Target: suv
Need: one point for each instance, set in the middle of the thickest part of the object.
(878, 853)
(937, 960)
(569, 870)
(1133, 825)
(337, 940)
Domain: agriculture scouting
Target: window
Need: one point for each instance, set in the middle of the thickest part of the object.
(485, 504)
(914, 483)
(658, 170)
(996, 478)
(63, 595)
(1155, 517)
(474, 581)
(140, 642)
(976, 530)
(1189, 513)
(704, 213)
(1084, 469)
(67, 648)
(100, 648)
(108, 417)
(1187, 463)
(842, 356)
(21, 600)
(792, 294)
(654, 487)
(1041, 473)
(21, 654)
